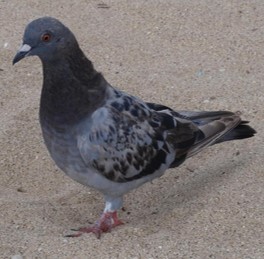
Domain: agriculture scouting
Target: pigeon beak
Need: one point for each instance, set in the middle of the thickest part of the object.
(23, 52)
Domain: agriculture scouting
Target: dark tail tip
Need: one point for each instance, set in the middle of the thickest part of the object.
(241, 131)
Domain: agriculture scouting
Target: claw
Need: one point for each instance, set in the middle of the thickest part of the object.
(107, 221)
(74, 235)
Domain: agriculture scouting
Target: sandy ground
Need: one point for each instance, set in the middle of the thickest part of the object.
(200, 55)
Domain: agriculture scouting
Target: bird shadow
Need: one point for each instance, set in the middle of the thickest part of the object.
(185, 196)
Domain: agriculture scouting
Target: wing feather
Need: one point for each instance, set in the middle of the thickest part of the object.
(127, 139)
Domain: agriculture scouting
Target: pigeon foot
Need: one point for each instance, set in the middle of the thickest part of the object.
(106, 222)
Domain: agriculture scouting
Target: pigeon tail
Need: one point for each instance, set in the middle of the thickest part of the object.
(241, 131)
(217, 127)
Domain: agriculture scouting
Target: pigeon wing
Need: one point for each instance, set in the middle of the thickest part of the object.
(128, 139)
(120, 142)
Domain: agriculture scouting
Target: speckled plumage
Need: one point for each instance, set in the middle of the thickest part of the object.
(103, 137)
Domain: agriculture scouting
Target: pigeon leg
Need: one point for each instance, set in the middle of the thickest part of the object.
(107, 221)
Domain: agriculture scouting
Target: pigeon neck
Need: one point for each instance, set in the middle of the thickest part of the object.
(72, 89)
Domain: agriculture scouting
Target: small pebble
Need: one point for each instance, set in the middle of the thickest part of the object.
(20, 189)
(200, 73)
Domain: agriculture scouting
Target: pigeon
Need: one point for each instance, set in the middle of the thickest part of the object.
(105, 138)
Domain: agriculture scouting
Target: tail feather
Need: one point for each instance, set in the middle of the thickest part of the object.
(217, 127)
(210, 127)
(204, 117)
(241, 131)
(213, 131)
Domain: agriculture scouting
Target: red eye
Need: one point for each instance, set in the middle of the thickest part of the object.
(46, 37)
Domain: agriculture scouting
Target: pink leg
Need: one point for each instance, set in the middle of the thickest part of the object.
(106, 222)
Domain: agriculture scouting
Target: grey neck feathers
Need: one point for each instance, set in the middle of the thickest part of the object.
(72, 89)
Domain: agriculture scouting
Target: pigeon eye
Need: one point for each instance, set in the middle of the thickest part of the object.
(46, 37)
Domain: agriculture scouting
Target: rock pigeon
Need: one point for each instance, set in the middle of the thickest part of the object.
(105, 138)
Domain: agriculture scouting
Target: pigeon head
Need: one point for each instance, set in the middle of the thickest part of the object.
(46, 38)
